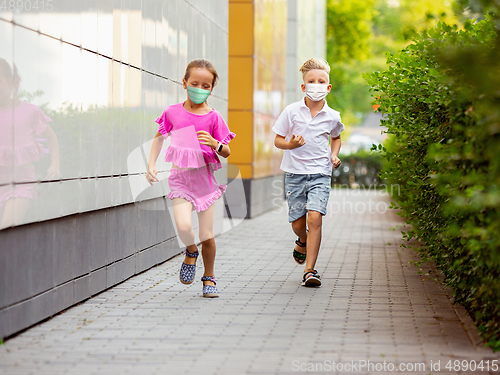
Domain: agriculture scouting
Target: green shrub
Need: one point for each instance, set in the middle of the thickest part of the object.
(441, 98)
(362, 168)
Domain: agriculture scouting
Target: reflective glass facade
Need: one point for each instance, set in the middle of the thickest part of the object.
(97, 73)
(81, 83)
(268, 42)
(306, 38)
(269, 81)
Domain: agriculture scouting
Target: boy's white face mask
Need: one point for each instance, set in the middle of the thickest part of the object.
(316, 91)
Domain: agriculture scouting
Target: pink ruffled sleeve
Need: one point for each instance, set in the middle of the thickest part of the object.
(221, 131)
(165, 125)
(22, 130)
(41, 124)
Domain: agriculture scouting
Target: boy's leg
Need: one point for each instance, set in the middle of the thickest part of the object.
(299, 228)
(296, 199)
(318, 193)
(314, 222)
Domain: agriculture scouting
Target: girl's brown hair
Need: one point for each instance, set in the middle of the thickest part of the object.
(10, 73)
(6, 71)
(202, 63)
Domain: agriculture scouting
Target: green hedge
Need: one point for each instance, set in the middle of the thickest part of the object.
(361, 168)
(442, 100)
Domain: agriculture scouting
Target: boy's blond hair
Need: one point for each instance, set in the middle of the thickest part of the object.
(314, 63)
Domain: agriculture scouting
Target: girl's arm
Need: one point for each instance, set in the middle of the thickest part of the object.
(206, 139)
(153, 156)
(225, 151)
(335, 147)
(53, 171)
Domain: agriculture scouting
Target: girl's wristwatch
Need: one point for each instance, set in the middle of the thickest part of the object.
(219, 147)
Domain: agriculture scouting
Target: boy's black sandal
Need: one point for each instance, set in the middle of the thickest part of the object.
(299, 257)
(313, 280)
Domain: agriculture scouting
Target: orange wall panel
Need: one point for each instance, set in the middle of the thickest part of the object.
(241, 147)
(240, 86)
(241, 29)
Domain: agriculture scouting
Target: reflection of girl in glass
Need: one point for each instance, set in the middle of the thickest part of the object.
(20, 125)
(198, 134)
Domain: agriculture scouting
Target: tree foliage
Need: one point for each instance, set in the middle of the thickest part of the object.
(358, 34)
(349, 29)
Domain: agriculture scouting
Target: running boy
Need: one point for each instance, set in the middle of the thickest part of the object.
(303, 131)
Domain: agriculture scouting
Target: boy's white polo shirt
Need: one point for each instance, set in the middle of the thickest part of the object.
(314, 155)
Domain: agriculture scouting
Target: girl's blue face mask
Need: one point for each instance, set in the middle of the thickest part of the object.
(198, 95)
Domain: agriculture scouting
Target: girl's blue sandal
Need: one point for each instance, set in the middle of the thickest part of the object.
(188, 271)
(210, 291)
(311, 278)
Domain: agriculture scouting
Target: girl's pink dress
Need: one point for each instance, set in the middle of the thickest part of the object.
(196, 182)
(19, 147)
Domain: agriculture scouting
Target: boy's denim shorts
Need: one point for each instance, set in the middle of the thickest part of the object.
(306, 192)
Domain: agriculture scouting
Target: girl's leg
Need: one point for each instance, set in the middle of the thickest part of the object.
(206, 221)
(14, 212)
(314, 222)
(299, 228)
(182, 215)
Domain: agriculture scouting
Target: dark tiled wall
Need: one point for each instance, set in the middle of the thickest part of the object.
(49, 266)
(262, 195)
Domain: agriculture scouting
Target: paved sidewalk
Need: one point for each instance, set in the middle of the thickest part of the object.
(373, 306)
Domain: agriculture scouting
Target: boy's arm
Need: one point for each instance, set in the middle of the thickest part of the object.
(335, 147)
(296, 141)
